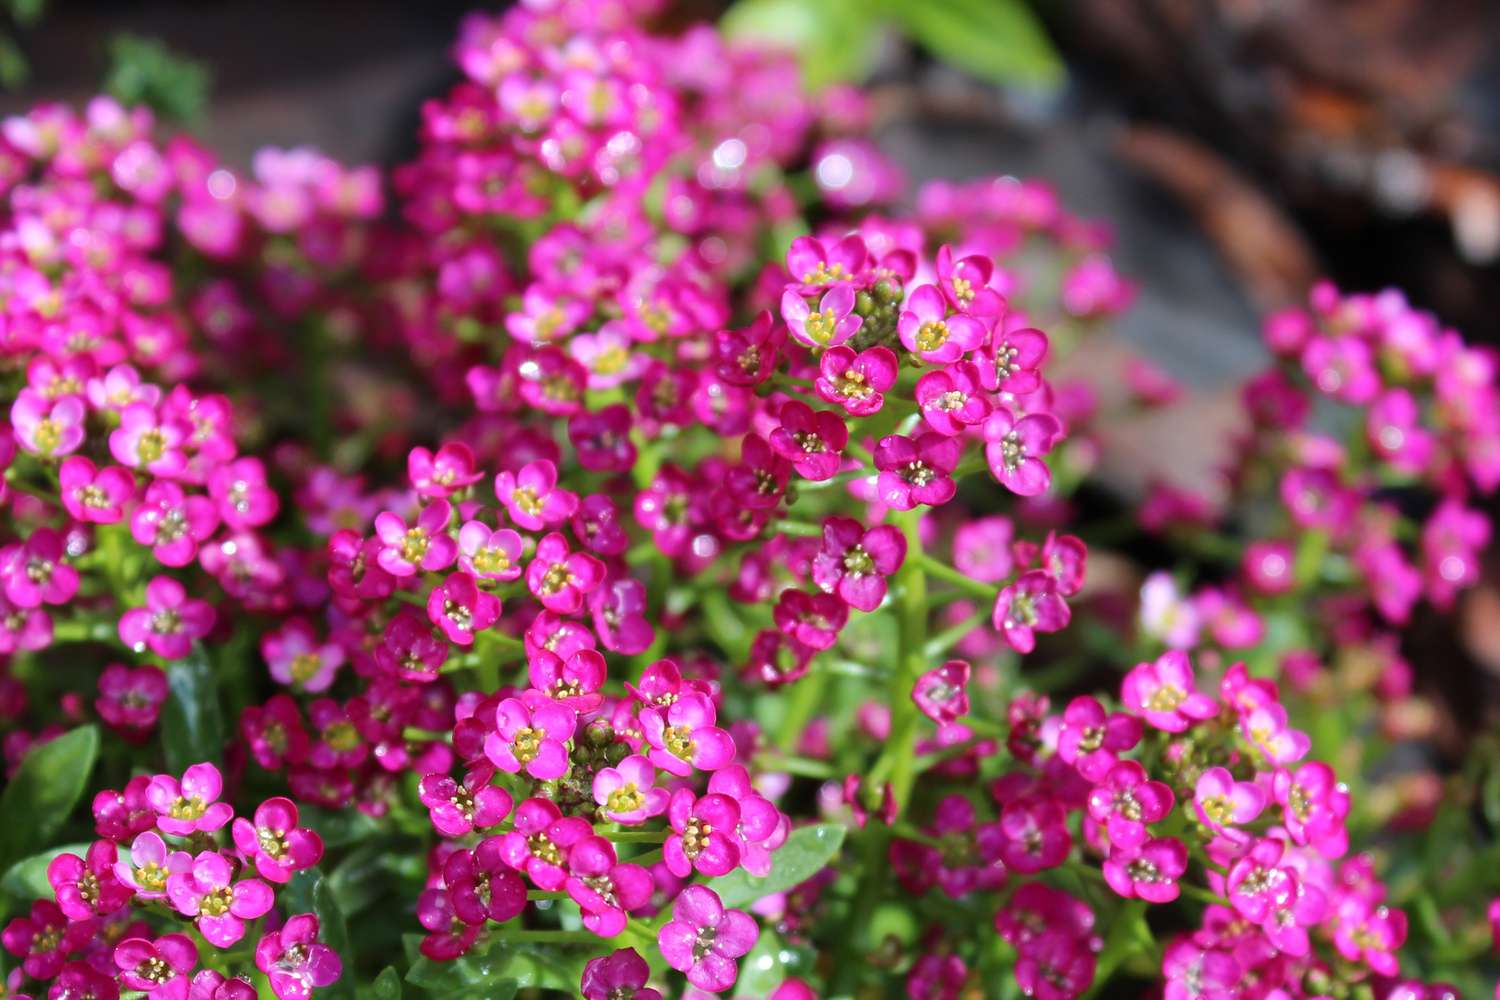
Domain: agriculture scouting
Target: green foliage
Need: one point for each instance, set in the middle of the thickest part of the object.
(999, 41)
(192, 725)
(46, 787)
(27, 879)
(806, 852)
(144, 71)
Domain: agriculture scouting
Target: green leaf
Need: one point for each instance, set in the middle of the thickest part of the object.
(48, 784)
(835, 40)
(192, 726)
(27, 12)
(15, 70)
(462, 979)
(334, 933)
(996, 40)
(387, 985)
(806, 852)
(1128, 934)
(144, 71)
(27, 878)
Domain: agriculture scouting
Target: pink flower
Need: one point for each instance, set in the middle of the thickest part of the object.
(97, 496)
(443, 474)
(627, 794)
(1014, 448)
(604, 889)
(1314, 806)
(620, 975)
(489, 553)
(813, 620)
(48, 427)
(297, 660)
(981, 548)
(965, 283)
(917, 471)
(1056, 967)
(749, 356)
(814, 263)
(761, 829)
(481, 886)
(532, 498)
(703, 939)
(274, 842)
(1265, 728)
(158, 968)
(832, 323)
(812, 441)
(1165, 694)
(928, 331)
(130, 700)
(1148, 871)
(854, 561)
(294, 960)
(951, 399)
(1091, 739)
(1030, 605)
(145, 440)
(461, 609)
(703, 835)
(221, 909)
(561, 579)
(1194, 972)
(191, 805)
(856, 381)
(1259, 883)
(1125, 800)
(942, 693)
(1369, 932)
(683, 736)
(169, 623)
(150, 865)
(1015, 361)
(935, 976)
(1033, 834)
(243, 498)
(34, 573)
(209, 984)
(574, 682)
(88, 887)
(1220, 802)
(426, 545)
(532, 738)
(458, 809)
(539, 844)
(43, 938)
(173, 523)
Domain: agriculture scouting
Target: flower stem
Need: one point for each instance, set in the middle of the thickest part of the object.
(946, 573)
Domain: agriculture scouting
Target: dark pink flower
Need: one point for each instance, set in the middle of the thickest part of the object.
(812, 441)
(855, 561)
(966, 283)
(158, 968)
(1033, 834)
(130, 700)
(461, 609)
(190, 805)
(88, 887)
(951, 399)
(620, 975)
(601, 438)
(683, 736)
(95, 495)
(442, 474)
(1015, 359)
(928, 330)
(1125, 800)
(34, 572)
(832, 323)
(1013, 449)
(814, 620)
(627, 792)
(1259, 883)
(531, 738)
(1091, 739)
(298, 660)
(532, 498)
(1148, 870)
(169, 623)
(43, 938)
(942, 693)
(749, 356)
(426, 545)
(856, 381)
(274, 842)
(560, 578)
(604, 889)
(1056, 967)
(294, 960)
(703, 835)
(1165, 694)
(703, 939)
(148, 441)
(481, 886)
(221, 908)
(239, 490)
(762, 827)
(48, 427)
(1314, 806)
(917, 471)
(539, 844)
(1222, 803)
(813, 263)
(1030, 605)
(619, 610)
(173, 523)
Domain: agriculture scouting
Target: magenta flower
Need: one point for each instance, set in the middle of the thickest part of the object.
(298, 660)
(620, 975)
(814, 263)
(1258, 882)
(1221, 803)
(481, 886)
(604, 889)
(34, 573)
(703, 837)
(426, 545)
(1314, 805)
(169, 623)
(1165, 694)
(1125, 800)
(762, 828)
(929, 332)
(1056, 967)
(1033, 834)
(1013, 449)
(951, 399)
(627, 793)
(1369, 932)
(410, 650)
(813, 620)
(43, 938)
(935, 976)
(1265, 727)
(965, 283)
(221, 908)
(1147, 871)
(703, 939)
(619, 610)
(450, 936)
(48, 427)
(1030, 605)
(294, 961)
(854, 561)
(832, 323)
(539, 844)
(532, 498)
(459, 809)
(489, 553)
(1342, 367)
(443, 474)
(274, 842)
(145, 440)
(190, 805)
(601, 438)
(1037, 909)
(173, 523)
(917, 471)
(240, 491)
(1194, 972)
(812, 441)
(942, 693)
(461, 609)
(560, 578)
(982, 548)
(856, 381)
(88, 887)
(160, 968)
(208, 984)
(150, 865)
(1016, 358)
(94, 495)
(1091, 738)
(533, 739)
(683, 736)
(574, 682)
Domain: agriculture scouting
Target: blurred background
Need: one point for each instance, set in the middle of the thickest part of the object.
(1239, 148)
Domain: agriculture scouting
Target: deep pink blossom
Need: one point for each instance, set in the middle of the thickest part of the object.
(1165, 693)
(560, 578)
(295, 961)
(274, 842)
(95, 495)
(169, 623)
(683, 736)
(190, 805)
(829, 325)
(159, 968)
(916, 471)
(425, 545)
(1092, 739)
(929, 331)
(1013, 449)
(855, 561)
(1030, 605)
(812, 441)
(221, 906)
(703, 939)
(1125, 800)
(531, 738)
(942, 693)
(620, 975)
(1147, 871)
(856, 381)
